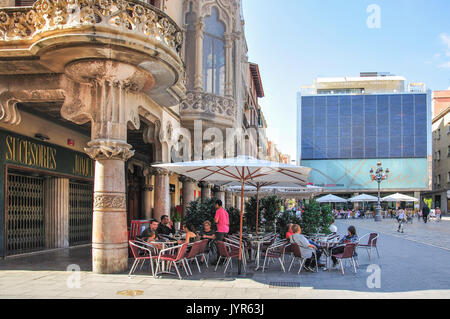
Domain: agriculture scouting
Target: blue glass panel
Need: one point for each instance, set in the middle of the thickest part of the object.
(332, 153)
(408, 151)
(383, 130)
(320, 142)
(321, 101)
(371, 153)
(421, 150)
(307, 153)
(320, 131)
(358, 131)
(333, 131)
(370, 100)
(345, 131)
(307, 101)
(371, 131)
(332, 141)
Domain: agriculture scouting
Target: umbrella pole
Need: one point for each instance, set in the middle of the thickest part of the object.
(257, 208)
(242, 215)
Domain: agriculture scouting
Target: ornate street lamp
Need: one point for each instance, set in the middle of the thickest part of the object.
(379, 175)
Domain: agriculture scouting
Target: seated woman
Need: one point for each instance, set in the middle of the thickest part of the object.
(289, 232)
(306, 248)
(350, 238)
(191, 236)
(207, 233)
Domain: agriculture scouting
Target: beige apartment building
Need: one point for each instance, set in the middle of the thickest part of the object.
(440, 194)
(94, 92)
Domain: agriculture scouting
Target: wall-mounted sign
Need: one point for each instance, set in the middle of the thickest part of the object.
(24, 151)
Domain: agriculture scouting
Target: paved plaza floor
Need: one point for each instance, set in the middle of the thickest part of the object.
(415, 264)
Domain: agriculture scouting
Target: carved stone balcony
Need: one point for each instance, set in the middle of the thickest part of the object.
(51, 34)
(215, 110)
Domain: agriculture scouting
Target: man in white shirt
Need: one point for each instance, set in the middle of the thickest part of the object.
(401, 220)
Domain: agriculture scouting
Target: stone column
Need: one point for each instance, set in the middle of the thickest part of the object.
(188, 191)
(147, 193)
(105, 96)
(228, 65)
(228, 199)
(206, 191)
(56, 212)
(162, 194)
(219, 193)
(198, 81)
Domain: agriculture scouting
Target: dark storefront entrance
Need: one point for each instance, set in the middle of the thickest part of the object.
(47, 198)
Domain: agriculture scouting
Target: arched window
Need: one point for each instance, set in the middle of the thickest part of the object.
(214, 55)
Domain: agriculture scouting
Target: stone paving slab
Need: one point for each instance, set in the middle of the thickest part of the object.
(410, 268)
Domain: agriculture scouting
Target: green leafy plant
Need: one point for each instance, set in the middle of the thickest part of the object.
(326, 214)
(270, 206)
(175, 216)
(316, 219)
(250, 214)
(198, 212)
(235, 219)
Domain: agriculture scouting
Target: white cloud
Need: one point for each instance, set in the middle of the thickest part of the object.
(445, 38)
(445, 65)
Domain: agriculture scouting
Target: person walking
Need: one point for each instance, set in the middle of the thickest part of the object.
(401, 220)
(425, 212)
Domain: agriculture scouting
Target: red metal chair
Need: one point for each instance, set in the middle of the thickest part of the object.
(349, 251)
(297, 255)
(371, 243)
(227, 251)
(275, 251)
(201, 250)
(168, 255)
(141, 253)
(192, 255)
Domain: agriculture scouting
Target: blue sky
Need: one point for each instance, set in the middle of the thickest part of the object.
(295, 41)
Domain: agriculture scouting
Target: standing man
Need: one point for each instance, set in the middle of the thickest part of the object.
(222, 221)
(425, 212)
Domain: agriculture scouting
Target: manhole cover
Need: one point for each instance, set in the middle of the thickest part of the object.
(130, 292)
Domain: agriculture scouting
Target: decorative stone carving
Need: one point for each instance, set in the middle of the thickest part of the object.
(207, 103)
(157, 171)
(109, 150)
(110, 201)
(9, 113)
(126, 15)
(8, 109)
(185, 179)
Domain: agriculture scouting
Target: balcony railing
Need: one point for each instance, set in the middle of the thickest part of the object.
(210, 107)
(49, 16)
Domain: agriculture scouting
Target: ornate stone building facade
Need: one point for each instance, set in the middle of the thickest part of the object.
(92, 93)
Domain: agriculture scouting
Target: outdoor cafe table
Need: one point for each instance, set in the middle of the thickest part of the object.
(164, 245)
(327, 246)
(258, 242)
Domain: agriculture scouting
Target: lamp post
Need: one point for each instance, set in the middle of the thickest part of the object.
(379, 175)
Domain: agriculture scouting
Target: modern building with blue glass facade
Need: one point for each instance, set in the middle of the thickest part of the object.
(346, 125)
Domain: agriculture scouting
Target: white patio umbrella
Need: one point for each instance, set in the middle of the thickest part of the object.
(242, 169)
(331, 199)
(286, 190)
(399, 198)
(363, 198)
